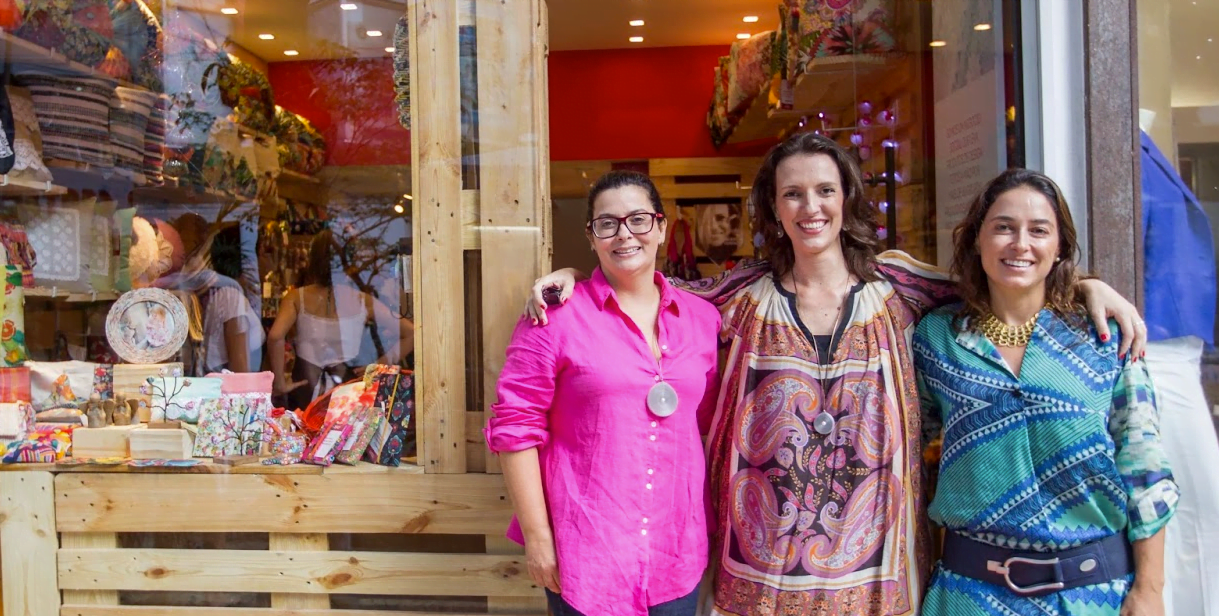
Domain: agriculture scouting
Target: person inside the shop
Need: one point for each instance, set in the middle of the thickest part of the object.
(329, 321)
(1053, 487)
(816, 471)
(597, 424)
(225, 332)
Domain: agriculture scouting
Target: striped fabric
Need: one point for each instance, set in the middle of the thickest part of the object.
(154, 141)
(128, 129)
(15, 384)
(74, 116)
(1066, 454)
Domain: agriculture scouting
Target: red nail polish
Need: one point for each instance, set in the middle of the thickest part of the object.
(1104, 337)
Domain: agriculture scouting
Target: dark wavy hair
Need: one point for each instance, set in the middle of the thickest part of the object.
(1061, 288)
(860, 242)
(621, 179)
(322, 260)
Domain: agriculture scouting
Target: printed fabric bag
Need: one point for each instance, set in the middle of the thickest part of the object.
(235, 424)
(16, 419)
(396, 437)
(19, 250)
(186, 399)
(364, 422)
(60, 384)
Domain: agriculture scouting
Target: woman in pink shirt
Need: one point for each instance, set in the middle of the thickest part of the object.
(599, 420)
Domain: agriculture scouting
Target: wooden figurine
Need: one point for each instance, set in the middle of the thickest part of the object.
(96, 412)
(122, 413)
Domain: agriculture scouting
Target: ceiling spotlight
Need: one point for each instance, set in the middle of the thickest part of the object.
(938, 44)
(408, 197)
(267, 37)
(398, 208)
(982, 27)
(348, 6)
(742, 36)
(373, 33)
(389, 49)
(292, 52)
(636, 22)
(636, 39)
(750, 19)
(228, 10)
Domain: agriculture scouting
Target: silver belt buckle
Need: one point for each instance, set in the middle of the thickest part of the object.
(1005, 569)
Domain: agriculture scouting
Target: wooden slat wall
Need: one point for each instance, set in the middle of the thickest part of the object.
(436, 178)
(466, 504)
(513, 170)
(296, 572)
(27, 536)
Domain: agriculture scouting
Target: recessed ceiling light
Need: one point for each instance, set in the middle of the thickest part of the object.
(982, 27)
(750, 19)
(937, 44)
(636, 39)
(389, 49)
(348, 6)
(228, 10)
(292, 52)
(267, 37)
(636, 22)
(374, 33)
(742, 36)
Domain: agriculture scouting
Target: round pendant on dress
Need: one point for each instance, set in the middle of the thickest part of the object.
(824, 423)
(662, 399)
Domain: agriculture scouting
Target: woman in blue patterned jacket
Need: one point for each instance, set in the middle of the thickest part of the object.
(1053, 486)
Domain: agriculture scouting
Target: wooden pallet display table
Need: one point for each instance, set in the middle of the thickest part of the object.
(61, 555)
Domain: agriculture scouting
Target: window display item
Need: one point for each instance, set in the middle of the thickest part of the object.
(12, 319)
(749, 69)
(147, 325)
(120, 259)
(129, 116)
(16, 419)
(80, 29)
(183, 398)
(402, 71)
(19, 251)
(248, 92)
(364, 423)
(326, 445)
(131, 382)
(140, 41)
(233, 426)
(154, 141)
(15, 384)
(396, 438)
(56, 384)
(27, 138)
(62, 416)
(62, 235)
(192, 63)
(73, 115)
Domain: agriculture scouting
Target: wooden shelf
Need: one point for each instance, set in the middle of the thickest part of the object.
(31, 55)
(172, 192)
(13, 187)
(831, 85)
(65, 296)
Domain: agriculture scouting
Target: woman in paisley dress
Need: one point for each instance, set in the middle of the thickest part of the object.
(815, 450)
(1053, 487)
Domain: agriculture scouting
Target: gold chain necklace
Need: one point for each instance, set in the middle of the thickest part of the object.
(1004, 335)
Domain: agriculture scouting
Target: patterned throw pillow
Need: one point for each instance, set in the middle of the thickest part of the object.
(27, 139)
(74, 116)
(138, 35)
(154, 142)
(62, 236)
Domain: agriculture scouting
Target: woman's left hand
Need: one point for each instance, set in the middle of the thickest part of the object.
(1103, 302)
(1143, 601)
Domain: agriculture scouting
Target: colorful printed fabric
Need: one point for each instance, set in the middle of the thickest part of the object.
(396, 436)
(749, 69)
(182, 398)
(839, 28)
(138, 35)
(73, 115)
(1068, 453)
(19, 251)
(16, 419)
(402, 71)
(811, 524)
(103, 381)
(79, 29)
(15, 384)
(233, 425)
(60, 384)
(154, 141)
(364, 424)
(12, 331)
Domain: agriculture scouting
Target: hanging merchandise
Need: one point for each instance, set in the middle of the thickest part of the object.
(680, 262)
(402, 71)
(13, 351)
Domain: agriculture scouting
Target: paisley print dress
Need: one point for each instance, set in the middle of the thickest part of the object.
(810, 523)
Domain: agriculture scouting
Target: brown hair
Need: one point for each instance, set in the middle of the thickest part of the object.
(858, 236)
(321, 261)
(1061, 291)
(621, 178)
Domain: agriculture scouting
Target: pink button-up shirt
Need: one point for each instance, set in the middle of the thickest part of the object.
(624, 488)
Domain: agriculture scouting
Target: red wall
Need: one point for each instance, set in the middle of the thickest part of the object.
(604, 105)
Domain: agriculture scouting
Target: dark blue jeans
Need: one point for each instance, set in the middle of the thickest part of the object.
(685, 606)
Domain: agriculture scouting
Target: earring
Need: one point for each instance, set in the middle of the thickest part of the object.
(780, 232)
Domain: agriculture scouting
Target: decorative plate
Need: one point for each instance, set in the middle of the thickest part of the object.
(146, 326)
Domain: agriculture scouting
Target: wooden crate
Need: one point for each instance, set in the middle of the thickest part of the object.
(59, 531)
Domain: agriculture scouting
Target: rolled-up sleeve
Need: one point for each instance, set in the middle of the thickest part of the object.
(520, 417)
(1135, 427)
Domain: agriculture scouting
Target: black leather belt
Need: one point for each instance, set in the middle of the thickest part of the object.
(1033, 574)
